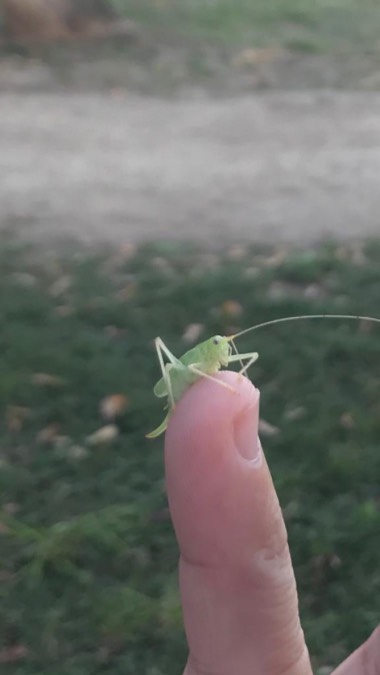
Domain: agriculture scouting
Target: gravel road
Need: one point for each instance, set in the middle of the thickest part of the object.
(268, 167)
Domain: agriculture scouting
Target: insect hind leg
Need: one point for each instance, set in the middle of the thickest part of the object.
(166, 367)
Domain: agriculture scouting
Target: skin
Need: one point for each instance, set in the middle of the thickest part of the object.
(237, 583)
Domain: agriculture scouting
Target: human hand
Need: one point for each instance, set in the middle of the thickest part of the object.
(237, 583)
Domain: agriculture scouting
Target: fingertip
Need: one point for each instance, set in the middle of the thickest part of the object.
(207, 412)
(211, 443)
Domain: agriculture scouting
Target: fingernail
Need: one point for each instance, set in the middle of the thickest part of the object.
(246, 433)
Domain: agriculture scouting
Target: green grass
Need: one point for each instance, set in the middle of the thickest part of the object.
(225, 46)
(88, 564)
(334, 26)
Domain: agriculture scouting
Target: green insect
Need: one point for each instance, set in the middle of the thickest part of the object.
(207, 358)
(204, 360)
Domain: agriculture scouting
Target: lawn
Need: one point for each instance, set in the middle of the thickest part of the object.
(224, 46)
(88, 556)
(332, 26)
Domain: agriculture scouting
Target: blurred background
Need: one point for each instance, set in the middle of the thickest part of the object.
(181, 168)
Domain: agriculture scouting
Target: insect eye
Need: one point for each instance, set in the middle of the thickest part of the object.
(216, 341)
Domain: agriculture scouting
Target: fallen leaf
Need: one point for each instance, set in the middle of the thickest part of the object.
(326, 560)
(117, 92)
(251, 272)
(13, 654)
(5, 576)
(192, 333)
(60, 286)
(236, 253)
(232, 309)
(77, 452)
(160, 263)
(104, 435)
(276, 258)
(365, 327)
(314, 292)
(24, 279)
(128, 292)
(47, 380)
(295, 413)
(267, 429)
(127, 251)
(335, 561)
(15, 417)
(64, 311)
(48, 434)
(358, 255)
(208, 260)
(113, 406)
(114, 333)
(11, 508)
(62, 441)
(258, 56)
(347, 421)
(278, 290)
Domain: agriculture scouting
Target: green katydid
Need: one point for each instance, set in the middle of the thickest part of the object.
(208, 357)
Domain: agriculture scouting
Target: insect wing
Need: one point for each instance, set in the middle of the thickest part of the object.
(160, 389)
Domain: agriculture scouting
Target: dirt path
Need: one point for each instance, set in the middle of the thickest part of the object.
(275, 166)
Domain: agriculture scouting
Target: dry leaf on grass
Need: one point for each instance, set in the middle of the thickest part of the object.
(267, 429)
(4, 529)
(11, 508)
(127, 251)
(15, 417)
(104, 435)
(257, 57)
(48, 434)
(63, 311)
(77, 452)
(314, 292)
(128, 292)
(5, 576)
(276, 259)
(13, 654)
(236, 252)
(232, 309)
(192, 333)
(347, 421)
(24, 279)
(60, 286)
(365, 327)
(295, 413)
(47, 380)
(114, 333)
(113, 406)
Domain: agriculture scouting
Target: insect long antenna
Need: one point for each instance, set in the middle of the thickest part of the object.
(302, 318)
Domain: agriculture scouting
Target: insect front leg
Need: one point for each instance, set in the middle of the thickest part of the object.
(161, 349)
(252, 357)
(166, 375)
(197, 371)
(234, 347)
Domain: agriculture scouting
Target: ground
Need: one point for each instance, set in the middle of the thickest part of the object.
(256, 124)
(294, 166)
